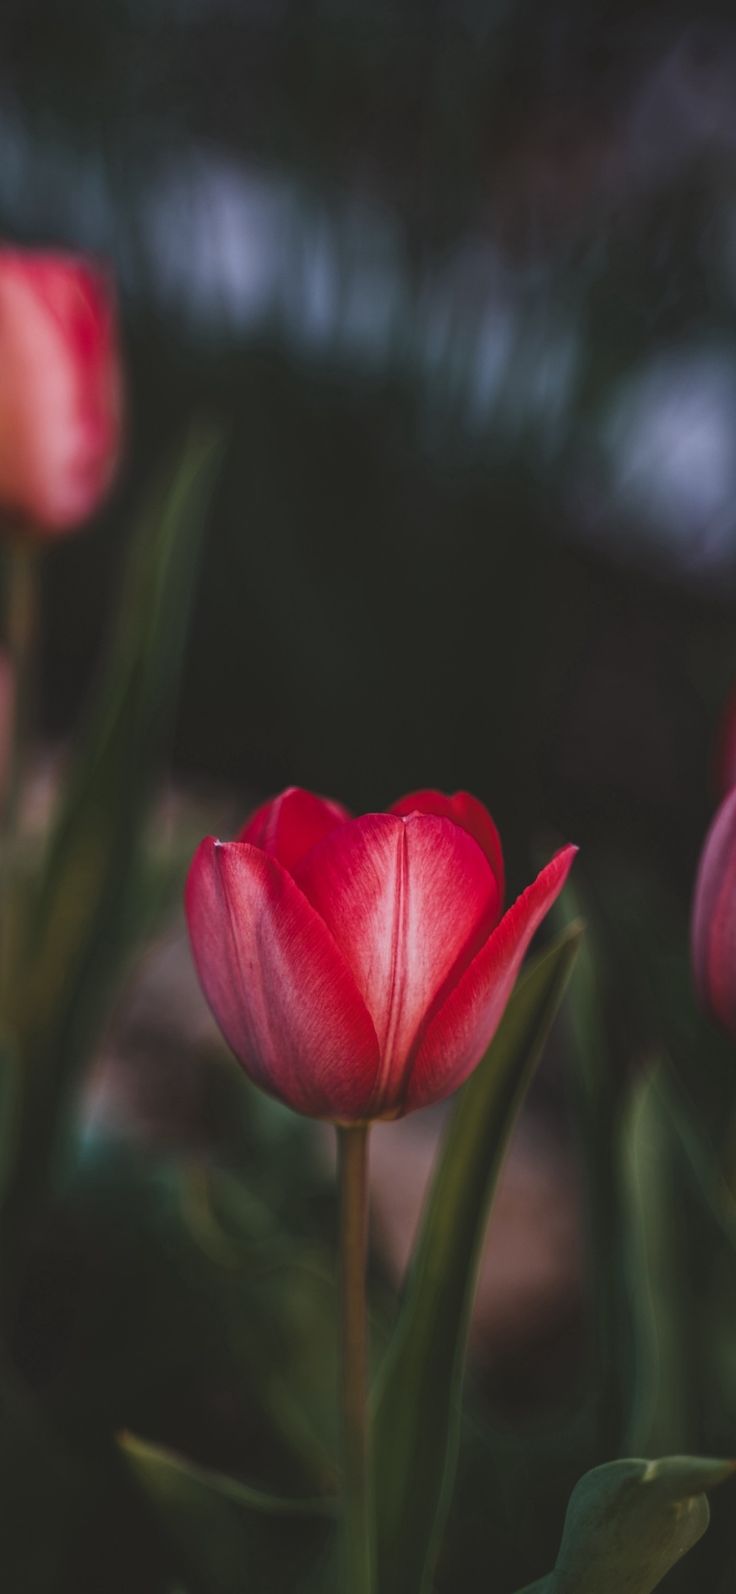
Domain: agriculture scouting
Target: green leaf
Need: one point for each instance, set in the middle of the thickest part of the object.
(225, 1537)
(700, 1158)
(89, 899)
(418, 1405)
(658, 1274)
(629, 1522)
(596, 1098)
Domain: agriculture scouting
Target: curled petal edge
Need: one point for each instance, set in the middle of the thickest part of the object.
(458, 1033)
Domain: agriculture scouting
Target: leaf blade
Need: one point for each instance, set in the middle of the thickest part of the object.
(418, 1398)
(628, 1522)
(79, 923)
(224, 1535)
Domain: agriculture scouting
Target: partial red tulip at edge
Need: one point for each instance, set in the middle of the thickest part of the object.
(60, 390)
(359, 968)
(714, 918)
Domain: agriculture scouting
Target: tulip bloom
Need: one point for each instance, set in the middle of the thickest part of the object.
(60, 390)
(714, 918)
(359, 968)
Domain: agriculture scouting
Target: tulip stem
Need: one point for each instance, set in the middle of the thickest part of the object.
(20, 633)
(357, 1501)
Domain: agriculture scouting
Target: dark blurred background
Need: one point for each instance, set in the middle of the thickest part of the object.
(460, 278)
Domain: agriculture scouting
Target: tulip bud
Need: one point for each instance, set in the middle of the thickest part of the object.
(359, 968)
(714, 918)
(60, 390)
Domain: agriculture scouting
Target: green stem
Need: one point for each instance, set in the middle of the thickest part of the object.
(357, 1502)
(20, 630)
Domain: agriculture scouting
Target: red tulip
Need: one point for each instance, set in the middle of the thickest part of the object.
(359, 968)
(60, 390)
(714, 917)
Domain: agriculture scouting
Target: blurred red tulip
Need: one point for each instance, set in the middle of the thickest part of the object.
(714, 917)
(60, 390)
(359, 967)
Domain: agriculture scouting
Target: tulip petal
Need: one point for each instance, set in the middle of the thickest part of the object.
(467, 811)
(408, 901)
(461, 1027)
(714, 917)
(61, 390)
(279, 988)
(287, 826)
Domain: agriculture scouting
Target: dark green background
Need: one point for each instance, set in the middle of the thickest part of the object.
(414, 574)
